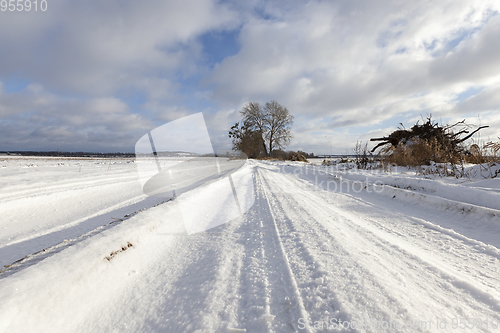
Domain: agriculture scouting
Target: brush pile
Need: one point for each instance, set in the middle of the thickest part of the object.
(426, 142)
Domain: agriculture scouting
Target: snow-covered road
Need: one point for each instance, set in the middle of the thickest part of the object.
(301, 259)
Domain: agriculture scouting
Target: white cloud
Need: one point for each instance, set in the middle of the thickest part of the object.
(97, 47)
(34, 119)
(357, 63)
(340, 67)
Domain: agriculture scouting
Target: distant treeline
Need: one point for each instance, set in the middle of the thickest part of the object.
(132, 155)
(65, 154)
(336, 156)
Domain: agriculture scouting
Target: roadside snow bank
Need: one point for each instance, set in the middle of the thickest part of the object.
(58, 293)
(476, 191)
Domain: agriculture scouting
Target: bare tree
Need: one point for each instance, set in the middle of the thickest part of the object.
(278, 123)
(267, 127)
(254, 119)
(253, 115)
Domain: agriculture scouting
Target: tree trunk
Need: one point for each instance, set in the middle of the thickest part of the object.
(271, 146)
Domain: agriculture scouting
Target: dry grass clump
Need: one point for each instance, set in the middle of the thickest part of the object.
(494, 149)
(420, 152)
(477, 155)
(483, 153)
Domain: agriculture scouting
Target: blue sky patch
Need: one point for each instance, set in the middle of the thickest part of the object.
(14, 84)
(472, 91)
(218, 45)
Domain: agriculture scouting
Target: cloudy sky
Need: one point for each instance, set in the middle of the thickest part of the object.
(93, 75)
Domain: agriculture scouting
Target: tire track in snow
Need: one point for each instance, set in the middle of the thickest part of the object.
(231, 278)
(406, 260)
(332, 281)
(454, 275)
(288, 275)
(266, 298)
(253, 289)
(459, 273)
(488, 214)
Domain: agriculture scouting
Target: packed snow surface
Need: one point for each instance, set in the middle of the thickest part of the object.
(308, 248)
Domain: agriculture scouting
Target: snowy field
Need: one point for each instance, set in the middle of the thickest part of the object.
(315, 249)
